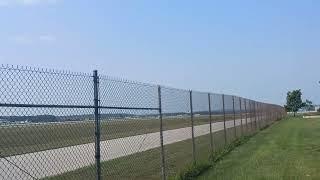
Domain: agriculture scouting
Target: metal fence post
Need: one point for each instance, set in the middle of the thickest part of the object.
(234, 119)
(97, 124)
(262, 116)
(268, 115)
(163, 169)
(241, 115)
(255, 115)
(224, 121)
(245, 109)
(192, 130)
(210, 118)
(251, 115)
(261, 111)
(258, 115)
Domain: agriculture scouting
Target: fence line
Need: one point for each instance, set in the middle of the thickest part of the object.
(62, 125)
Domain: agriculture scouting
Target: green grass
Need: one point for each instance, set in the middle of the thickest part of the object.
(193, 170)
(146, 165)
(143, 165)
(33, 138)
(288, 150)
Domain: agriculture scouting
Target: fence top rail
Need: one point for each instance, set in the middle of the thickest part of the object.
(42, 70)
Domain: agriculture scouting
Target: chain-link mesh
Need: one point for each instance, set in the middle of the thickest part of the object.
(229, 118)
(177, 129)
(43, 131)
(62, 125)
(251, 120)
(200, 104)
(40, 87)
(217, 117)
(238, 117)
(130, 146)
(125, 94)
(244, 115)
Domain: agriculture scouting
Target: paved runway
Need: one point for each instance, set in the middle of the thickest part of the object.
(58, 161)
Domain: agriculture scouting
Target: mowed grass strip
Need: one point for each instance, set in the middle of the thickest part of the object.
(33, 138)
(290, 149)
(147, 164)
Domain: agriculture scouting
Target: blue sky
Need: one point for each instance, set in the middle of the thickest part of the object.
(253, 49)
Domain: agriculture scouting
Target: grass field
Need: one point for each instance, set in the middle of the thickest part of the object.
(290, 149)
(33, 138)
(146, 165)
(143, 165)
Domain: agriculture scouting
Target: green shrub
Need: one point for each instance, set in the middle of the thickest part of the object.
(193, 170)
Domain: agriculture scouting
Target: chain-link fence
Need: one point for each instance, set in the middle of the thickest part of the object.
(62, 125)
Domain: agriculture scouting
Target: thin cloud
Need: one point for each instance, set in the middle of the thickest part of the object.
(22, 39)
(47, 38)
(26, 2)
(32, 2)
(26, 39)
(4, 3)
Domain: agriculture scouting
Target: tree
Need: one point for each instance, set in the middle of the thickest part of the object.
(308, 105)
(294, 101)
